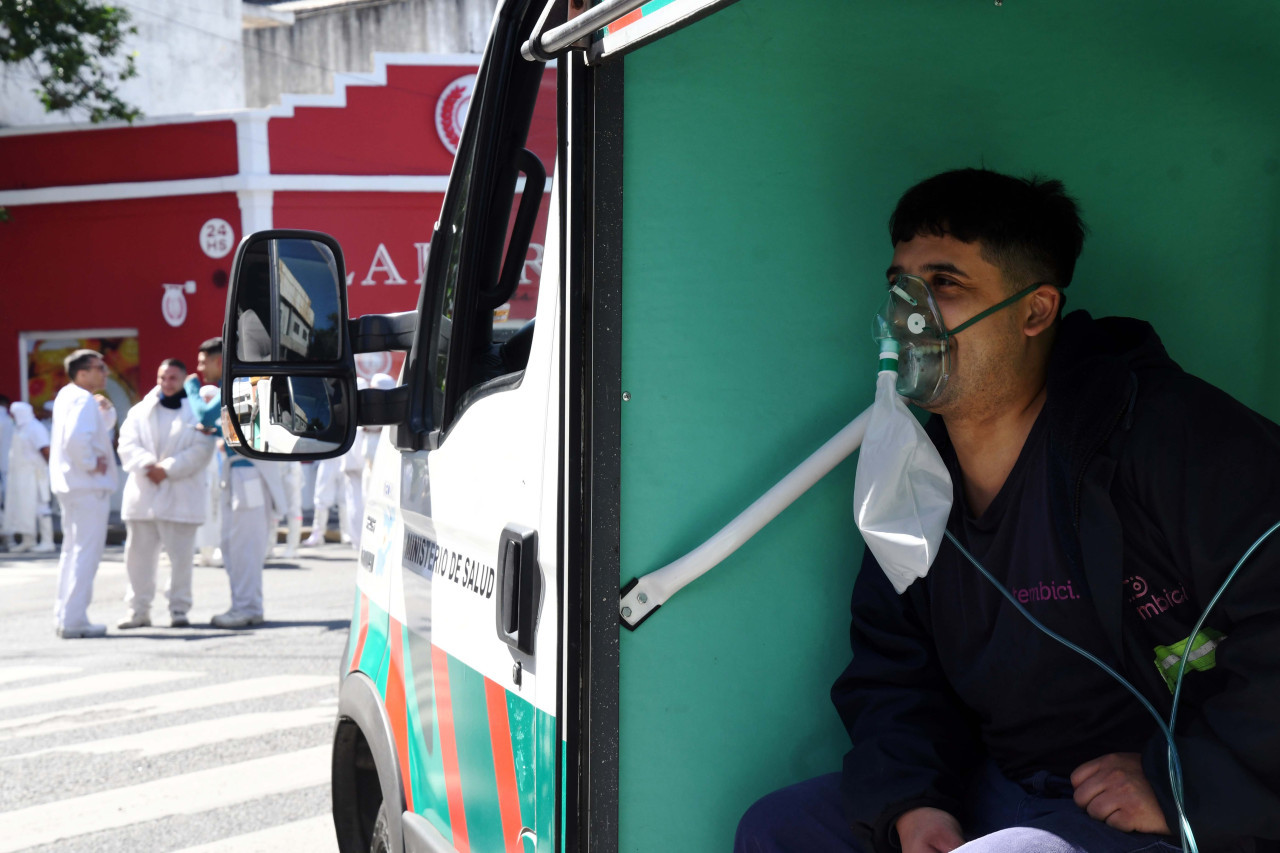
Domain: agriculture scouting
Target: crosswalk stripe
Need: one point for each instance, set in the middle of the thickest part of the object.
(10, 674)
(11, 575)
(163, 703)
(17, 580)
(192, 735)
(190, 793)
(314, 835)
(91, 685)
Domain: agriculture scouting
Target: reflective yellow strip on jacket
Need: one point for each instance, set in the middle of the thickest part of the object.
(1202, 655)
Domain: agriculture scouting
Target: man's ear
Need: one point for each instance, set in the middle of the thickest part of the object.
(1043, 306)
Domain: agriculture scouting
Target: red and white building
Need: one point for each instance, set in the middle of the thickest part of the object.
(122, 237)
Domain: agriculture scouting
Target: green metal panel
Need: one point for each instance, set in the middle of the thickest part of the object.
(765, 147)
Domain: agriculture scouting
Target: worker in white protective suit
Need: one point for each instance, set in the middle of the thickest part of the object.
(26, 488)
(285, 509)
(83, 475)
(209, 534)
(167, 458)
(352, 469)
(352, 487)
(291, 479)
(328, 493)
(368, 440)
(252, 498)
(249, 497)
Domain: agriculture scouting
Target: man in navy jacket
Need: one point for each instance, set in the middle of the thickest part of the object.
(1110, 493)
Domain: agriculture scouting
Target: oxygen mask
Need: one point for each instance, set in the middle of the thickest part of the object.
(910, 323)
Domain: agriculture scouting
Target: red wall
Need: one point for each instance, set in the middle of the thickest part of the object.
(362, 222)
(374, 228)
(95, 265)
(118, 155)
(102, 265)
(389, 130)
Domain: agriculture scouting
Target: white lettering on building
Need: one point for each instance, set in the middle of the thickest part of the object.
(217, 238)
(424, 252)
(535, 262)
(382, 263)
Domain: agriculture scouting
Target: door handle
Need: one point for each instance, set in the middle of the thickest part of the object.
(519, 585)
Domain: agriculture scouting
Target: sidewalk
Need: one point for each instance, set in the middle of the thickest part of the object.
(116, 532)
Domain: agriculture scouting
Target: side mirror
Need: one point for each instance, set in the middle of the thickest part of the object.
(289, 387)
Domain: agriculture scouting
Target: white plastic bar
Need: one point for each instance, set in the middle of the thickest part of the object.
(657, 587)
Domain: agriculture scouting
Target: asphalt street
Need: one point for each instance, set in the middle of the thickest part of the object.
(162, 739)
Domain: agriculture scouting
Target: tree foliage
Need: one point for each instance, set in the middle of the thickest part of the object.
(74, 48)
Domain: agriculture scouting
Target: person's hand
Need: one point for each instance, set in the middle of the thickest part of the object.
(101, 467)
(929, 830)
(1114, 789)
(105, 404)
(195, 376)
(156, 474)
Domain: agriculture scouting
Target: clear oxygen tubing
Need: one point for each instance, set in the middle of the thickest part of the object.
(1175, 765)
(642, 596)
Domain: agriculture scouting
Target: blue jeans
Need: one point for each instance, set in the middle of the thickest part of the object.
(1035, 816)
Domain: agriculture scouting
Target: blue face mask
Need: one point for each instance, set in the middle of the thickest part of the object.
(910, 317)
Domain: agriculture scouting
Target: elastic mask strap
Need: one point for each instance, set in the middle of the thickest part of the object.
(993, 309)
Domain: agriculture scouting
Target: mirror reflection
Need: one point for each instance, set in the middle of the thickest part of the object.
(291, 414)
(288, 302)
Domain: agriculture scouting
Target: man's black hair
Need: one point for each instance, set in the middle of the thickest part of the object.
(174, 362)
(78, 361)
(4, 400)
(1030, 228)
(213, 346)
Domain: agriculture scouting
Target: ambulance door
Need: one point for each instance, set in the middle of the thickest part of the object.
(479, 491)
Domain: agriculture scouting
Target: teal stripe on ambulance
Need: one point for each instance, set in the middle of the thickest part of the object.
(475, 757)
(524, 754)
(430, 798)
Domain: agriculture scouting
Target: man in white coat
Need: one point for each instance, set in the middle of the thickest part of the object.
(328, 492)
(26, 493)
(291, 479)
(209, 533)
(82, 472)
(167, 459)
(352, 497)
(252, 498)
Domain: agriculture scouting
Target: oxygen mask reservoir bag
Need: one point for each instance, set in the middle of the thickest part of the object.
(902, 489)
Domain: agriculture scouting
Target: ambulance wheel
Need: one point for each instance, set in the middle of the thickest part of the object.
(381, 840)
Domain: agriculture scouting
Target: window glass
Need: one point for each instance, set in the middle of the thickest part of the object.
(309, 323)
(484, 269)
(452, 230)
(288, 304)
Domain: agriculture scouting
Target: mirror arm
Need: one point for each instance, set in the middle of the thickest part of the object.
(383, 332)
(382, 408)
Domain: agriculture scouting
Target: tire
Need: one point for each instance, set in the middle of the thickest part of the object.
(381, 840)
